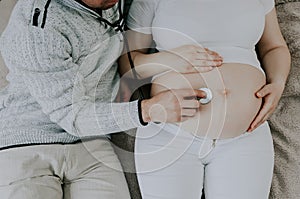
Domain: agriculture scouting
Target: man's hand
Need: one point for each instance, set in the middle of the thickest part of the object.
(172, 105)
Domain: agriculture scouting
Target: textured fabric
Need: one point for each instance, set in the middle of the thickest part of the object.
(5, 9)
(195, 25)
(285, 121)
(277, 2)
(63, 77)
(173, 164)
(88, 170)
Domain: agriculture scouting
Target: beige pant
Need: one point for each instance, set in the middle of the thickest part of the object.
(86, 170)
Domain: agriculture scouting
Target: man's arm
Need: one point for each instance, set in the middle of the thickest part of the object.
(53, 80)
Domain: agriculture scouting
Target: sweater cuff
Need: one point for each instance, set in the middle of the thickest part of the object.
(131, 117)
(140, 113)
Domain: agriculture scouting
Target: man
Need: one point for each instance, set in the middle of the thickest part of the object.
(57, 112)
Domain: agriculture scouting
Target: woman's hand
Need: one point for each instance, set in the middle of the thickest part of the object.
(191, 59)
(271, 94)
(184, 59)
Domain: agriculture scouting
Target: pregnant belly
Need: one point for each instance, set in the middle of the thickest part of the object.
(234, 104)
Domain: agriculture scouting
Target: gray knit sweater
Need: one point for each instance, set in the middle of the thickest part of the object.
(63, 76)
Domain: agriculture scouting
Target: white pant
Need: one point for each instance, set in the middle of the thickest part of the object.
(173, 164)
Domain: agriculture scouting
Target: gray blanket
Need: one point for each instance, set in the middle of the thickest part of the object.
(285, 122)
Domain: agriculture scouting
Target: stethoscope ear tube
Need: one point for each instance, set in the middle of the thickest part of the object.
(118, 25)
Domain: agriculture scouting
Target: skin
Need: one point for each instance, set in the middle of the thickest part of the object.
(276, 61)
(178, 103)
(234, 104)
(273, 51)
(184, 59)
(174, 102)
(100, 4)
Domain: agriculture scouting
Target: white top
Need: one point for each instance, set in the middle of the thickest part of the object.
(232, 27)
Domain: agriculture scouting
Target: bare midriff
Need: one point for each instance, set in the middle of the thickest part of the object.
(234, 104)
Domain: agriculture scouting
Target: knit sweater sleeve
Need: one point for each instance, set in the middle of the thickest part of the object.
(50, 73)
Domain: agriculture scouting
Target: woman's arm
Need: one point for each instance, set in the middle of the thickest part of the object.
(138, 44)
(276, 60)
(184, 59)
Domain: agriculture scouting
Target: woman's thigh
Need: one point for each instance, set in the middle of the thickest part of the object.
(167, 165)
(242, 168)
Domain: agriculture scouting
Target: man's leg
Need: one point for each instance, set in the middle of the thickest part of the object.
(93, 171)
(31, 172)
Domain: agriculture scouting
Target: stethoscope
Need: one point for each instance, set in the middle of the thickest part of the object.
(119, 26)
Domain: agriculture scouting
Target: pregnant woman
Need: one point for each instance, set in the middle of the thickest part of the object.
(224, 146)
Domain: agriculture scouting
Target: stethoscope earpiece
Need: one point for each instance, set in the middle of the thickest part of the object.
(208, 97)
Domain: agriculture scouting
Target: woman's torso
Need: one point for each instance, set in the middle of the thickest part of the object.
(231, 28)
(234, 104)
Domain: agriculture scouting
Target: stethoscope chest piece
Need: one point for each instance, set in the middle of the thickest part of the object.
(208, 97)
